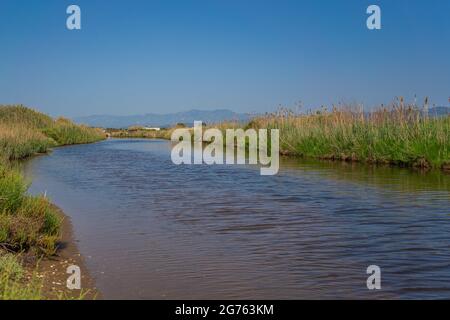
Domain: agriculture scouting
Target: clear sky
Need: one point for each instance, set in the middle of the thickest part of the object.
(141, 56)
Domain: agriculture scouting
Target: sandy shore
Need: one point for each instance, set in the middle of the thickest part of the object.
(53, 269)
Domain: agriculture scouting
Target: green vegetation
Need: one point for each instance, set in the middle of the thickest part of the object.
(139, 132)
(400, 135)
(15, 282)
(24, 132)
(27, 223)
(65, 132)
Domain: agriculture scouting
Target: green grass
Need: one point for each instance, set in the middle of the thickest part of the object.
(65, 132)
(27, 223)
(15, 281)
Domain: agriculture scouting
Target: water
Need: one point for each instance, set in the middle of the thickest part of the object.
(150, 229)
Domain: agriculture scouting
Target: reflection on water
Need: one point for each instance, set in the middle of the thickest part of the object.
(150, 229)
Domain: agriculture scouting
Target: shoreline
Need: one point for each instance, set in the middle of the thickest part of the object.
(415, 166)
(38, 234)
(52, 269)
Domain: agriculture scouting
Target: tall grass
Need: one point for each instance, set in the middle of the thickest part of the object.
(65, 132)
(24, 132)
(19, 141)
(18, 114)
(26, 222)
(400, 134)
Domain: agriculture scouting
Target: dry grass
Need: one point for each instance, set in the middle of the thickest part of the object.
(24, 132)
(18, 141)
(65, 132)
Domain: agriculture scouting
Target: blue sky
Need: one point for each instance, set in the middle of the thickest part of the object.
(163, 56)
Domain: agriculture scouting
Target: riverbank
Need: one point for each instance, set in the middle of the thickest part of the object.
(33, 232)
(399, 135)
(140, 133)
(52, 269)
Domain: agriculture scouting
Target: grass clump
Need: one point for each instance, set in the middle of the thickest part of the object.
(26, 222)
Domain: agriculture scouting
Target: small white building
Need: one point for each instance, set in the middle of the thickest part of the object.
(151, 129)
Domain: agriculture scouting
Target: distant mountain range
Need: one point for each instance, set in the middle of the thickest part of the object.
(187, 117)
(162, 120)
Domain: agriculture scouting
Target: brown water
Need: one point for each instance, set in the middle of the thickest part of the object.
(151, 229)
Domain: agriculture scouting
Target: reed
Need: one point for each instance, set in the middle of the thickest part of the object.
(65, 132)
(19, 141)
(399, 134)
(24, 132)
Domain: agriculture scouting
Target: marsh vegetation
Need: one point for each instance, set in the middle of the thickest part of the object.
(28, 224)
(399, 134)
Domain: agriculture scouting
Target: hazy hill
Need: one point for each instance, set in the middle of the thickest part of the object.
(161, 120)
